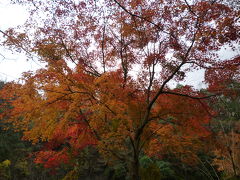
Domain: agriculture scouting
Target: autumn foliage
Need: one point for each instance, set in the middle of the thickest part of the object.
(106, 75)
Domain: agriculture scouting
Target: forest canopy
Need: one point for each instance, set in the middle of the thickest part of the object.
(102, 106)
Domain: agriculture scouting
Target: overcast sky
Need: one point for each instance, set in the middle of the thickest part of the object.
(13, 64)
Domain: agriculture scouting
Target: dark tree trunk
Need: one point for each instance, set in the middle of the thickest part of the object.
(135, 163)
(135, 169)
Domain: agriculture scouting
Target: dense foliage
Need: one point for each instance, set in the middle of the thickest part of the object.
(102, 107)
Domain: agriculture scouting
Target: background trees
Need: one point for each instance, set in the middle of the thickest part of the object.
(106, 80)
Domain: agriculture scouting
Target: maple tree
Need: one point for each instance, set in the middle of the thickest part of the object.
(105, 82)
(225, 128)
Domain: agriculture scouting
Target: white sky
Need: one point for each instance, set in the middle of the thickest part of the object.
(13, 64)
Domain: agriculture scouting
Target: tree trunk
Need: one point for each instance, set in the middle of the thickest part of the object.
(135, 163)
(135, 168)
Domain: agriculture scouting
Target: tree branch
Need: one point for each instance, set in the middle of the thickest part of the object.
(140, 17)
(189, 8)
(188, 96)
